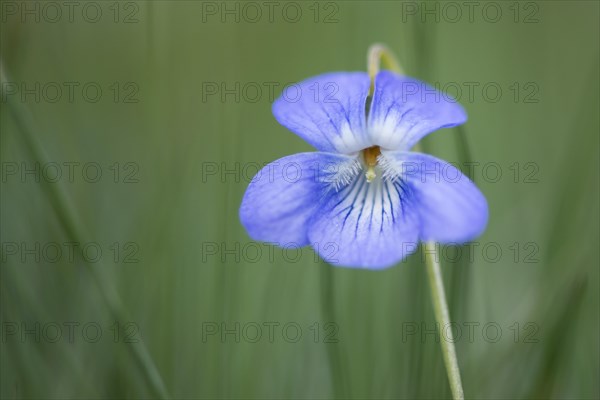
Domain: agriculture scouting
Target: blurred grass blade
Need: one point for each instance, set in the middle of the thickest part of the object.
(76, 233)
(334, 355)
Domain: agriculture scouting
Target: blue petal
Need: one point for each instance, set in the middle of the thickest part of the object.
(328, 111)
(450, 207)
(404, 110)
(368, 225)
(283, 196)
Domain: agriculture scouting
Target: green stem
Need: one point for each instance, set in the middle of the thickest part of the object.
(442, 316)
(379, 54)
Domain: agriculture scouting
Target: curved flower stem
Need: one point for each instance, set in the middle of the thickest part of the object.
(442, 316)
(379, 54)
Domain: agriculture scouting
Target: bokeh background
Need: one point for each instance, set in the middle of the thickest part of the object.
(180, 302)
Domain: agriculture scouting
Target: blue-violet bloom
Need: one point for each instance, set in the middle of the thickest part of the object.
(363, 194)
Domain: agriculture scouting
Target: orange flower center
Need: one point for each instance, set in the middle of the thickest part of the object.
(370, 155)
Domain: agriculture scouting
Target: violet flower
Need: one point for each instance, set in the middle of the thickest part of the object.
(363, 190)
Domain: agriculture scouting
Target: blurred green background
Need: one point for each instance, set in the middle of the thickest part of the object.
(179, 290)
